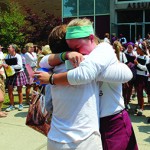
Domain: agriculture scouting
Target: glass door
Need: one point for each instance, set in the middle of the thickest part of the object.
(136, 32)
(131, 31)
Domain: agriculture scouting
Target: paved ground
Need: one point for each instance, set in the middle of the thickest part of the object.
(15, 135)
(140, 125)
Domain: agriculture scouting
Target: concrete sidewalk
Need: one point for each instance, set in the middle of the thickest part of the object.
(140, 125)
(15, 135)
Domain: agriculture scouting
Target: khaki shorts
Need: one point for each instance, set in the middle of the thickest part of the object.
(93, 142)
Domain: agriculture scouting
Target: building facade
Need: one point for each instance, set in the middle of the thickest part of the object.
(128, 17)
(96, 10)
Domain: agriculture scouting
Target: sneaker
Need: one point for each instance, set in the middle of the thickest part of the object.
(137, 108)
(10, 108)
(20, 108)
(140, 112)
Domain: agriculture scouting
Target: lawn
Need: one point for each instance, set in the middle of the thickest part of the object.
(6, 100)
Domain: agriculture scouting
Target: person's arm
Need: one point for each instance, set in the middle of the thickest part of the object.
(142, 67)
(54, 59)
(124, 58)
(44, 63)
(115, 73)
(91, 69)
(1, 66)
(119, 72)
(59, 79)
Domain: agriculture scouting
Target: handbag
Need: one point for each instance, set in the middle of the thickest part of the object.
(38, 118)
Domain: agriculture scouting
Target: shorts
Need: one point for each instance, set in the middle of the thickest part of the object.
(93, 142)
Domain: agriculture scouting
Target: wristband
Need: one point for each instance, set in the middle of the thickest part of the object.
(63, 56)
(60, 57)
(51, 79)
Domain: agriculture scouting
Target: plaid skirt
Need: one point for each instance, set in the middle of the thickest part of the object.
(19, 79)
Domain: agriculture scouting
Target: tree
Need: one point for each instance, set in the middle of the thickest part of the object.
(38, 28)
(21, 25)
(11, 22)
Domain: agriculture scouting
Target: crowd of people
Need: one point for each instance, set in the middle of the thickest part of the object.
(17, 61)
(90, 83)
(137, 57)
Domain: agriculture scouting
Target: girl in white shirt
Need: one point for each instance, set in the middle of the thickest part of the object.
(90, 70)
(18, 79)
(31, 59)
(142, 75)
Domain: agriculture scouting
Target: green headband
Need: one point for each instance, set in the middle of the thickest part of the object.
(75, 32)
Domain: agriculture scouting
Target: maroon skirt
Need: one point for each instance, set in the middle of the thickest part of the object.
(117, 132)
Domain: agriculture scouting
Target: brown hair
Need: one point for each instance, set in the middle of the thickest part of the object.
(57, 41)
(106, 35)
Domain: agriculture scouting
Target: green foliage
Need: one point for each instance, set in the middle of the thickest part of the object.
(11, 22)
(21, 25)
(38, 28)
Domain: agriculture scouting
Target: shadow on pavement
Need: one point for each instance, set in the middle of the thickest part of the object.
(21, 114)
(145, 129)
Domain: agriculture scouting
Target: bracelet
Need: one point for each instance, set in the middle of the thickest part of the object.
(51, 79)
(62, 56)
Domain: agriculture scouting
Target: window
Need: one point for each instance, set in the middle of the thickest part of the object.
(127, 0)
(130, 16)
(86, 7)
(102, 6)
(147, 15)
(69, 8)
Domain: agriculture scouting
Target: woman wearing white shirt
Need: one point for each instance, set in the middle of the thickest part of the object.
(18, 79)
(31, 59)
(142, 75)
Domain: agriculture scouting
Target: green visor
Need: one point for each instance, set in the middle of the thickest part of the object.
(75, 32)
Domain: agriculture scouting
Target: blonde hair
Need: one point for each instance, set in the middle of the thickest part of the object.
(46, 50)
(80, 22)
(83, 22)
(28, 45)
(117, 46)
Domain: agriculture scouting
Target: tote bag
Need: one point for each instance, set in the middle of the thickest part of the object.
(37, 117)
